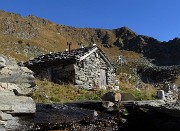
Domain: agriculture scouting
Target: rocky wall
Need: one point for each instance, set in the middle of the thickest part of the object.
(88, 71)
(63, 74)
(15, 84)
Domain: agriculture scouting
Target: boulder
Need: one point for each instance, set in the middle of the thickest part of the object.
(20, 78)
(17, 104)
(111, 96)
(16, 84)
(2, 128)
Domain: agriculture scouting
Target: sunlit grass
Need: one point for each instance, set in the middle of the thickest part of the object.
(51, 92)
(147, 92)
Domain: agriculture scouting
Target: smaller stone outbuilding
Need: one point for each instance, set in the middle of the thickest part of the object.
(86, 67)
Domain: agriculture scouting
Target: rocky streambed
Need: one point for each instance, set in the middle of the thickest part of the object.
(74, 116)
(94, 116)
(85, 116)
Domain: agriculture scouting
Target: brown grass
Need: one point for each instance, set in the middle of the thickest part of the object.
(147, 92)
(51, 92)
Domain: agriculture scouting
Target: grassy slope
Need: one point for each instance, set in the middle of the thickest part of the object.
(48, 91)
(49, 36)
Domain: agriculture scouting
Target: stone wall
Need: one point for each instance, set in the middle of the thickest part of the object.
(88, 72)
(59, 74)
(63, 74)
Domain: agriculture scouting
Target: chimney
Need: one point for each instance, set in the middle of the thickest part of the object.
(69, 44)
(81, 45)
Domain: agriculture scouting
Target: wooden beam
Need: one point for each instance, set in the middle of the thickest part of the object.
(86, 55)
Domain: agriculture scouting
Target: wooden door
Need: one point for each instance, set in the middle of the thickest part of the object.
(102, 79)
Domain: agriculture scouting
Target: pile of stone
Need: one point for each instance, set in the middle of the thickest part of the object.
(16, 83)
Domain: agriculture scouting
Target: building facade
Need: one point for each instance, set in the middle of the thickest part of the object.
(86, 67)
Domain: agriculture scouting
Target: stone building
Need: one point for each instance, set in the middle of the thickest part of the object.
(86, 67)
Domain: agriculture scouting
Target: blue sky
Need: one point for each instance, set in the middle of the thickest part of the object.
(157, 18)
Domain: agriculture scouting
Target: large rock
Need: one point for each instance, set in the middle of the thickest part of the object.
(15, 84)
(5, 116)
(17, 104)
(21, 77)
(111, 96)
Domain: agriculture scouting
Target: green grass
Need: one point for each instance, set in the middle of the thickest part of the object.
(144, 94)
(51, 92)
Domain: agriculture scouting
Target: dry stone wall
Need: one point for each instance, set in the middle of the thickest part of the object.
(88, 71)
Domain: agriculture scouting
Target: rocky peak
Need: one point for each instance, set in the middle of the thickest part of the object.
(174, 41)
(37, 20)
(49, 37)
(125, 33)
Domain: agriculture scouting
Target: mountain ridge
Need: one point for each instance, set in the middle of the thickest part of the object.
(31, 36)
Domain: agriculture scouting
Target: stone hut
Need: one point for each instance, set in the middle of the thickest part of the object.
(86, 67)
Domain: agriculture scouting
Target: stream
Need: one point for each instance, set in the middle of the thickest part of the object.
(92, 116)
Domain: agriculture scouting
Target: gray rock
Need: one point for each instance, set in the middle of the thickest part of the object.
(107, 104)
(15, 84)
(17, 104)
(2, 62)
(12, 124)
(153, 103)
(79, 82)
(5, 116)
(20, 76)
(161, 94)
(5, 108)
(2, 128)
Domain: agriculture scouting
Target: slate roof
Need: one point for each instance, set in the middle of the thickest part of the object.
(61, 57)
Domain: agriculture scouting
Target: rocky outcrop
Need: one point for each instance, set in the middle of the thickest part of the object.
(16, 83)
(13, 25)
(162, 53)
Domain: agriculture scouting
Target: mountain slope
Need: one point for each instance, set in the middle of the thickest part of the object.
(28, 37)
(25, 37)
